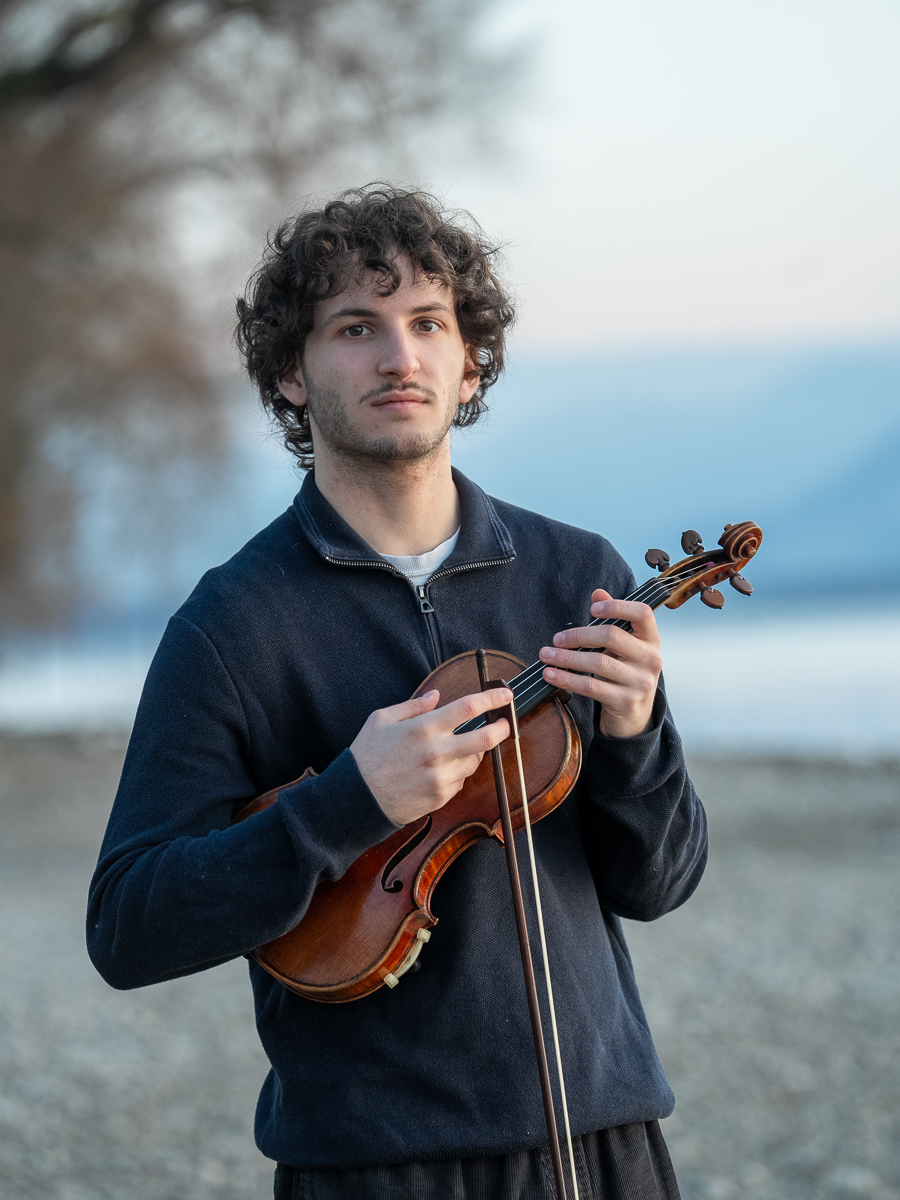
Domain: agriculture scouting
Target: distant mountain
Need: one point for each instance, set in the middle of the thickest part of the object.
(844, 535)
(639, 447)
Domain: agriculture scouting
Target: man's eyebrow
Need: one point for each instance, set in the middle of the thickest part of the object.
(350, 312)
(424, 308)
(342, 313)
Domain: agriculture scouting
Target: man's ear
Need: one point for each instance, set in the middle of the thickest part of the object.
(471, 376)
(293, 388)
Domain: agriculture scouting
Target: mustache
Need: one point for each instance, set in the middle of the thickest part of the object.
(387, 388)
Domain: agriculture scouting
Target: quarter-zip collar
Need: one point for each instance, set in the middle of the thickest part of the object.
(483, 538)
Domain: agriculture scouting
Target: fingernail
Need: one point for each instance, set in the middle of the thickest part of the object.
(558, 639)
(548, 652)
(549, 673)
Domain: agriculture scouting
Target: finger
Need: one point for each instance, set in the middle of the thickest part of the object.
(474, 705)
(640, 616)
(627, 681)
(468, 766)
(602, 690)
(464, 768)
(603, 665)
(411, 708)
(618, 642)
(479, 741)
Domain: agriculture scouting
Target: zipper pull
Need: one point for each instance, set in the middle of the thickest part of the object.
(425, 605)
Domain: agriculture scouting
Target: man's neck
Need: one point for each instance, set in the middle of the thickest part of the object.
(400, 508)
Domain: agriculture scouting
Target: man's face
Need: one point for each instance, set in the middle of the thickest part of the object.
(382, 375)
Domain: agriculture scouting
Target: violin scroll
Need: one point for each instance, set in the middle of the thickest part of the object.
(702, 569)
(741, 541)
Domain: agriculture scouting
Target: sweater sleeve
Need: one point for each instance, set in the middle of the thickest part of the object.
(177, 887)
(644, 826)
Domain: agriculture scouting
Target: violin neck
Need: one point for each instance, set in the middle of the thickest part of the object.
(529, 686)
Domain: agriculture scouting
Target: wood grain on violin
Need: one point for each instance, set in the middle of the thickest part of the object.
(366, 929)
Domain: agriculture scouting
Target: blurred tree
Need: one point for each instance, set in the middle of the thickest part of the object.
(136, 140)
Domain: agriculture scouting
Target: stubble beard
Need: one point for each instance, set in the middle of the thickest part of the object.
(344, 441)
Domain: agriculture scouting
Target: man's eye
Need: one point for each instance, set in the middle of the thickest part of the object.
(355, 331)
(429, 326)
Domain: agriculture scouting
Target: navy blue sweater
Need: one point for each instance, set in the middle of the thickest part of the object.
(272, 666)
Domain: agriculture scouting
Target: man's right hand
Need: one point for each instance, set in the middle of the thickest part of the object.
(412, 760)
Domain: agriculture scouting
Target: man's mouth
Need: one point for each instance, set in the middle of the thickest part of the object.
(400, 400)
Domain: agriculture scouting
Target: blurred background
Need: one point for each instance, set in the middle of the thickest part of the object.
(698, 204)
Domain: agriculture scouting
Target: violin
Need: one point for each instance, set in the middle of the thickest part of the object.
(367, 929)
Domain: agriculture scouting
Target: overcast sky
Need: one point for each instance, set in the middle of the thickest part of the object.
(701, 170)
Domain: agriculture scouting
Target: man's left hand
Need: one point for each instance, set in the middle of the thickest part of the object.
(623, 677)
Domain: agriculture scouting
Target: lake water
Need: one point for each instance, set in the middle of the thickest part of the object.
(798, 684)
(781, 682)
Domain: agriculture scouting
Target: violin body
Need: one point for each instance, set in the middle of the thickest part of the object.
(366, 929)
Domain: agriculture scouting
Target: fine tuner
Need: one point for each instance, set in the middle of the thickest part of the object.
(692, 545)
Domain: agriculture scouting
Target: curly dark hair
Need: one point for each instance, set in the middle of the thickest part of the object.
(313, 256)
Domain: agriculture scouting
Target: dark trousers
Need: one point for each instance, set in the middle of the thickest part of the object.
(628, 1162)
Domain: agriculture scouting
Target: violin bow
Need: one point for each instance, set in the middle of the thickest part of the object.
(512, 864)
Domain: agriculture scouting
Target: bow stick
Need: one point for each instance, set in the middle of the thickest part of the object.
(522, 929)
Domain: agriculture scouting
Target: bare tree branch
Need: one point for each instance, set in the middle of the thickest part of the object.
(122, 29)
(111, 121)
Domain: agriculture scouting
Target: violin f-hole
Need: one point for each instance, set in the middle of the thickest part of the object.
(396, 885)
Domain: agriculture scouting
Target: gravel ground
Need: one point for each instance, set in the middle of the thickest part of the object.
(774, 996)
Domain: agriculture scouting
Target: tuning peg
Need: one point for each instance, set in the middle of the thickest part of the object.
(742, 585)
(657, 558)
(691, 542)
(712, 598)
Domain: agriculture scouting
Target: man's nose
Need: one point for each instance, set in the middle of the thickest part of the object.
(399, 360)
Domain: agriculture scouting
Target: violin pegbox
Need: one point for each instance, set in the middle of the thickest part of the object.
(702, 569)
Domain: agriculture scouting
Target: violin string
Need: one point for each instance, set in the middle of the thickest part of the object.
(526, 680)
(531, 678)
(543, 940)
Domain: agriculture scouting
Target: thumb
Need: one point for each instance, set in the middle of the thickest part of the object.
(600, 594)
(415, 707)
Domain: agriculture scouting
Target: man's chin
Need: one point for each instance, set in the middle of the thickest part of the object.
(395, 448)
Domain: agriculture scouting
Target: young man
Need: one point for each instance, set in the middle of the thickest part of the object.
(371, 328)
